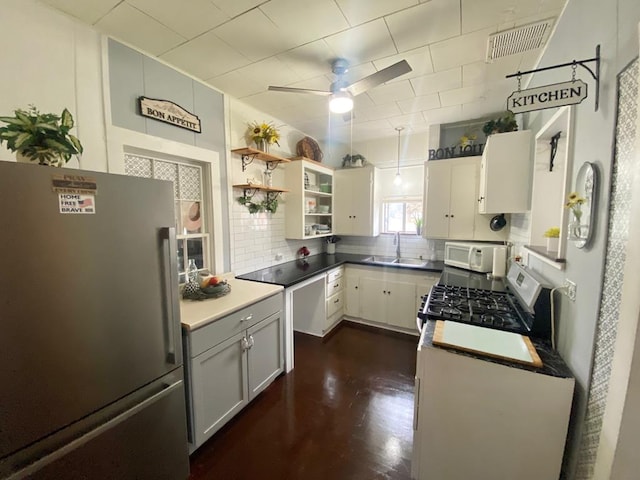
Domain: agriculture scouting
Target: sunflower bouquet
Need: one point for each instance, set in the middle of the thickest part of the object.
(267, 132)
(575, 202)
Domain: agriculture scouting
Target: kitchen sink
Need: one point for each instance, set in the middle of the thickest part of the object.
(377, 259)
(407, 262)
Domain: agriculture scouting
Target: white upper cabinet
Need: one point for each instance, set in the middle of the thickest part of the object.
(505, 173)
(357, 209)
(450, 199)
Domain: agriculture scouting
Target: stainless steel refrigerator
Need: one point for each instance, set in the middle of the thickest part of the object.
(91, 379)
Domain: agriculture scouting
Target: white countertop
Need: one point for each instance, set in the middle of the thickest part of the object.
(198, 313)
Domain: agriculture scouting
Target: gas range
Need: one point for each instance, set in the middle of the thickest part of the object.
(523, 309)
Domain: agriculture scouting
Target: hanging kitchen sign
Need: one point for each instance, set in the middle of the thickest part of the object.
(558, 94)
(548, 96)
(169, 112)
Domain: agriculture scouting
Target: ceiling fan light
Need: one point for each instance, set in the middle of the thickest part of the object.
(341, 102)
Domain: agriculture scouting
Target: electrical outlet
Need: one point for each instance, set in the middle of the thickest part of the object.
(571, 289)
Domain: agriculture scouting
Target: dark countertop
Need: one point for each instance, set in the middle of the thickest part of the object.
(290, 273)
(459, 277)
(552, 363)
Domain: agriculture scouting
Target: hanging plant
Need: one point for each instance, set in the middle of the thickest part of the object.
(268, 205)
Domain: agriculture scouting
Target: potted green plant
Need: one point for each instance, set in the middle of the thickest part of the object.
(40, 137)
(506, 123)
(417, 220)
(552, 235)
(349, 161)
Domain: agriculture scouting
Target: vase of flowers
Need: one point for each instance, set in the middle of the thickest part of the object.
(263, 135)
(574, 203)
(553, 238)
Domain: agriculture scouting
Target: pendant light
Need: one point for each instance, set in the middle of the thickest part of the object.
(398, 180)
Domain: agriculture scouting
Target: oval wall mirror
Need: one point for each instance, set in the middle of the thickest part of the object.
(582, 205)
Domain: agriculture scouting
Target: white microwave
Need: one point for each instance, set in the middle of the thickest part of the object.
(477, 257)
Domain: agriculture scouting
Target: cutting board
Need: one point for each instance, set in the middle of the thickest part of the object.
(486, 341)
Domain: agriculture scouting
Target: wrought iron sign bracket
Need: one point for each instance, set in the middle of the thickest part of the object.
(554, 149)
(574, 64)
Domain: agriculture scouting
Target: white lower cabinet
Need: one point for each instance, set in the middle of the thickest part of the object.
(386, 296)
(230, 361)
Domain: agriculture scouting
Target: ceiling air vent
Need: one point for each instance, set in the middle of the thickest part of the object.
(518, 40)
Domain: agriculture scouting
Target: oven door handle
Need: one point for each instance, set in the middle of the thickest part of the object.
(469, 260)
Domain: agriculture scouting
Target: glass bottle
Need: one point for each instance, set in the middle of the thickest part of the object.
(192, 271)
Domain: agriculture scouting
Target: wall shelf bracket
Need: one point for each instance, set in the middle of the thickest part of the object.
(247, 159)
(573, 64)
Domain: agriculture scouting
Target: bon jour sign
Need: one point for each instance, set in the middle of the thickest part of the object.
(549, 96)
(169, 112)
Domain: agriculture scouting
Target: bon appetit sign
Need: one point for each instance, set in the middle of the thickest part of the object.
(548, 96)
(169, 112)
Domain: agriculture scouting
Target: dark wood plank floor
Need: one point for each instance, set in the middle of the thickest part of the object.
(344, 412)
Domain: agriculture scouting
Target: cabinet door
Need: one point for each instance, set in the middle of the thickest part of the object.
(265, 354)
(342, 215)
(373, 299)
(352, 296)
(401, 304)
(436, 218)
(361, 186)
(462, 208)
(219, 386)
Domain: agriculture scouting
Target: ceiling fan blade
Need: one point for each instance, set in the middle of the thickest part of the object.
(378, 78)
(299, 90)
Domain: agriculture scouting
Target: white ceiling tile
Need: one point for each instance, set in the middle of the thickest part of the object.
(462, 95)
(359, 11)
(270, 71)
(474, 73)
(188, 18)
(236, 84)
(255, 36)
(89, 11)
(391, 92)
(377, 112)
(479, 15)
(424, 24)
(485, 107)
(132, 26)
(364, 43)
(425, 102)
(309, 60)
(305, 20)
(412, 121)
(459, 51)
(234, 8)
(418, 59)
(436, 82)
(205, 57)
(443, 115)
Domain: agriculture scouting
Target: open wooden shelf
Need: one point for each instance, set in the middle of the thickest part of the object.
(262, 188)
(249, 154)
(313, 162)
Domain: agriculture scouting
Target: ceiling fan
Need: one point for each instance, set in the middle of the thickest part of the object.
(341, 92)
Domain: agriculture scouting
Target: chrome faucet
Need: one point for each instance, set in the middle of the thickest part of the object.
(396, 242)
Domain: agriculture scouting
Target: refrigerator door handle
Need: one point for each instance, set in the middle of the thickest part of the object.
(45, 460)
(172, 306)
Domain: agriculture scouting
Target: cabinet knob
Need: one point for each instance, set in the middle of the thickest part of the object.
(452, 215)
(251, 342)
(336, 285)
(356, 287)
(446, 215)
(245, 343)
(336, 300)
(480, 199)
(389, 292)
